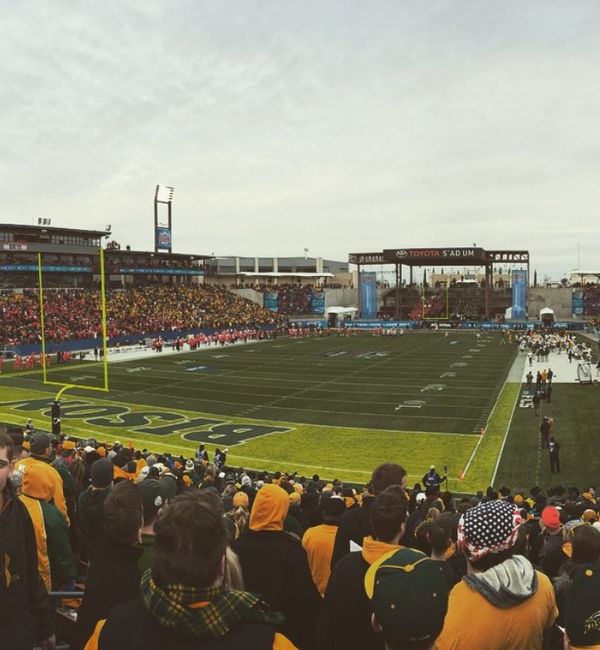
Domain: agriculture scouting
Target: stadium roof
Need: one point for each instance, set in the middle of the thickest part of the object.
(35, 228)
(284, 274)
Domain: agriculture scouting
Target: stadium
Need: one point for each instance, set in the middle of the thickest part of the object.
(338, 389)
(303, 371)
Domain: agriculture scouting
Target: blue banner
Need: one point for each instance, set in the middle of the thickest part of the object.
(577, 303)
(317, 303)
(271, 300)
(519, 294)
(368, 295)
(47, 268)
(163, 239)
(162, 271)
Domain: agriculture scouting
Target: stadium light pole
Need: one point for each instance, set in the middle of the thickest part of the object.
(163, 236)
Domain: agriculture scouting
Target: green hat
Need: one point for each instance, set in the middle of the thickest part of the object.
(409, 596)
(582, 607)
(153, 497)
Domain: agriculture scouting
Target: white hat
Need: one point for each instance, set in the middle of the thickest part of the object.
(89, 448)
(421, 497)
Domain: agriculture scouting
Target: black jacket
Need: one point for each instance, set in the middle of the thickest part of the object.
(113, 578)
(131, 627)
(274, 565)
(345, 622)
(25, 610)
(91, 517)
(355, 526)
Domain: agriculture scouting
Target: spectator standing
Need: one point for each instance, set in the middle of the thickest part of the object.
(345, 622)
(355, 523)
(39, 463)
(409, 599)
(153, 498)
(502, 603)
(113, 576)
(91, 505)
(537, 399)
(318, 541)
(274, 565)
(183, 602)
(55, 558)
(25, 610)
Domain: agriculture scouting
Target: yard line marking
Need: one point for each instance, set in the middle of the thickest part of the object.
(505, 436)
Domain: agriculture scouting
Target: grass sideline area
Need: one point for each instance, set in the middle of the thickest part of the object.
(337, 406)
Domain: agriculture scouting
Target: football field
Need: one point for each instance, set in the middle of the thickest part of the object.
(333, 405)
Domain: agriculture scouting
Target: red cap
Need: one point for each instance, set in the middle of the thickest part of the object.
(551, 518)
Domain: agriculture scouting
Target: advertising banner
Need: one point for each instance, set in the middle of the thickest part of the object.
(519, 294)
(46, 268)
(163, 237)
(317, 303)
(160, 271)
(271, 300)
(368, 295)
(577, 302)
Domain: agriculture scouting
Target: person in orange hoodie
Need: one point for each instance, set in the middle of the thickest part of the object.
(345, 621)
(275, 566)
(39, 463)
(318, 541)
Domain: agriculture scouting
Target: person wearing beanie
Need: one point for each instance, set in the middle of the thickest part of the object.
(91, 505)
(274, 565)
(153, 498)
(113, 575)
(551, 555)
(238, 515)
(502, 603)
(345, 622)
(39, 462)
(355, 523)
(318, 541)
(55, 558)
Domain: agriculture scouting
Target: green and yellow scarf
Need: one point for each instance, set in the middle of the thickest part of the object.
(210, 612)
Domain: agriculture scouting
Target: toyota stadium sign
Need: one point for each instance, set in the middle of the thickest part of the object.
(435, 255)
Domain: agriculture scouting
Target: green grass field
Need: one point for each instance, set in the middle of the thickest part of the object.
(336, 406)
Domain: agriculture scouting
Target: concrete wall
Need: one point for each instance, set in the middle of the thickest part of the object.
(250, 294)
(557, 299)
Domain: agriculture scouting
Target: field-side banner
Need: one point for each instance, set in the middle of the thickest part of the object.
(519, 294)
(368, 295)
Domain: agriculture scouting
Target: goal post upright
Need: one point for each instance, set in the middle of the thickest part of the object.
(66, 386)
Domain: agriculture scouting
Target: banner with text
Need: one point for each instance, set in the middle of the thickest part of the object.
(368, 295)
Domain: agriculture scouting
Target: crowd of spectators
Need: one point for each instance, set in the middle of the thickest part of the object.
(191, 553)
(76, 314)
(591, 301)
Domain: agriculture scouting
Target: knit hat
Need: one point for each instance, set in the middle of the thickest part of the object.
(409, 596)
(39, 443)
(491, 527)
(333, 506)
(68, 448)
(189, 465)
(101, 473)
(101, 451)
(551, 518)
(246, 480)
(582, 607)
(153, 497)
(240, 499)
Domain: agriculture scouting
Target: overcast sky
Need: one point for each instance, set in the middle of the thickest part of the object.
(333, 125)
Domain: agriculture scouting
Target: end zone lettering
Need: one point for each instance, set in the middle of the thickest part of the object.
(108, 415)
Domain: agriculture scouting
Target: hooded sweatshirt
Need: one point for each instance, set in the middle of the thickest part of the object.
(55, 559)
(274, 566)
(346, 613)
(514, 605)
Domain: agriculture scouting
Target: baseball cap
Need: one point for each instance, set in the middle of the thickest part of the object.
(409, 596)
(581, 607)
(153, 497)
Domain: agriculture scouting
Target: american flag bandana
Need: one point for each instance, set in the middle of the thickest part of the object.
(490, 527)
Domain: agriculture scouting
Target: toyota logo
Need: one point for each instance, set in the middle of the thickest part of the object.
(401, 253)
